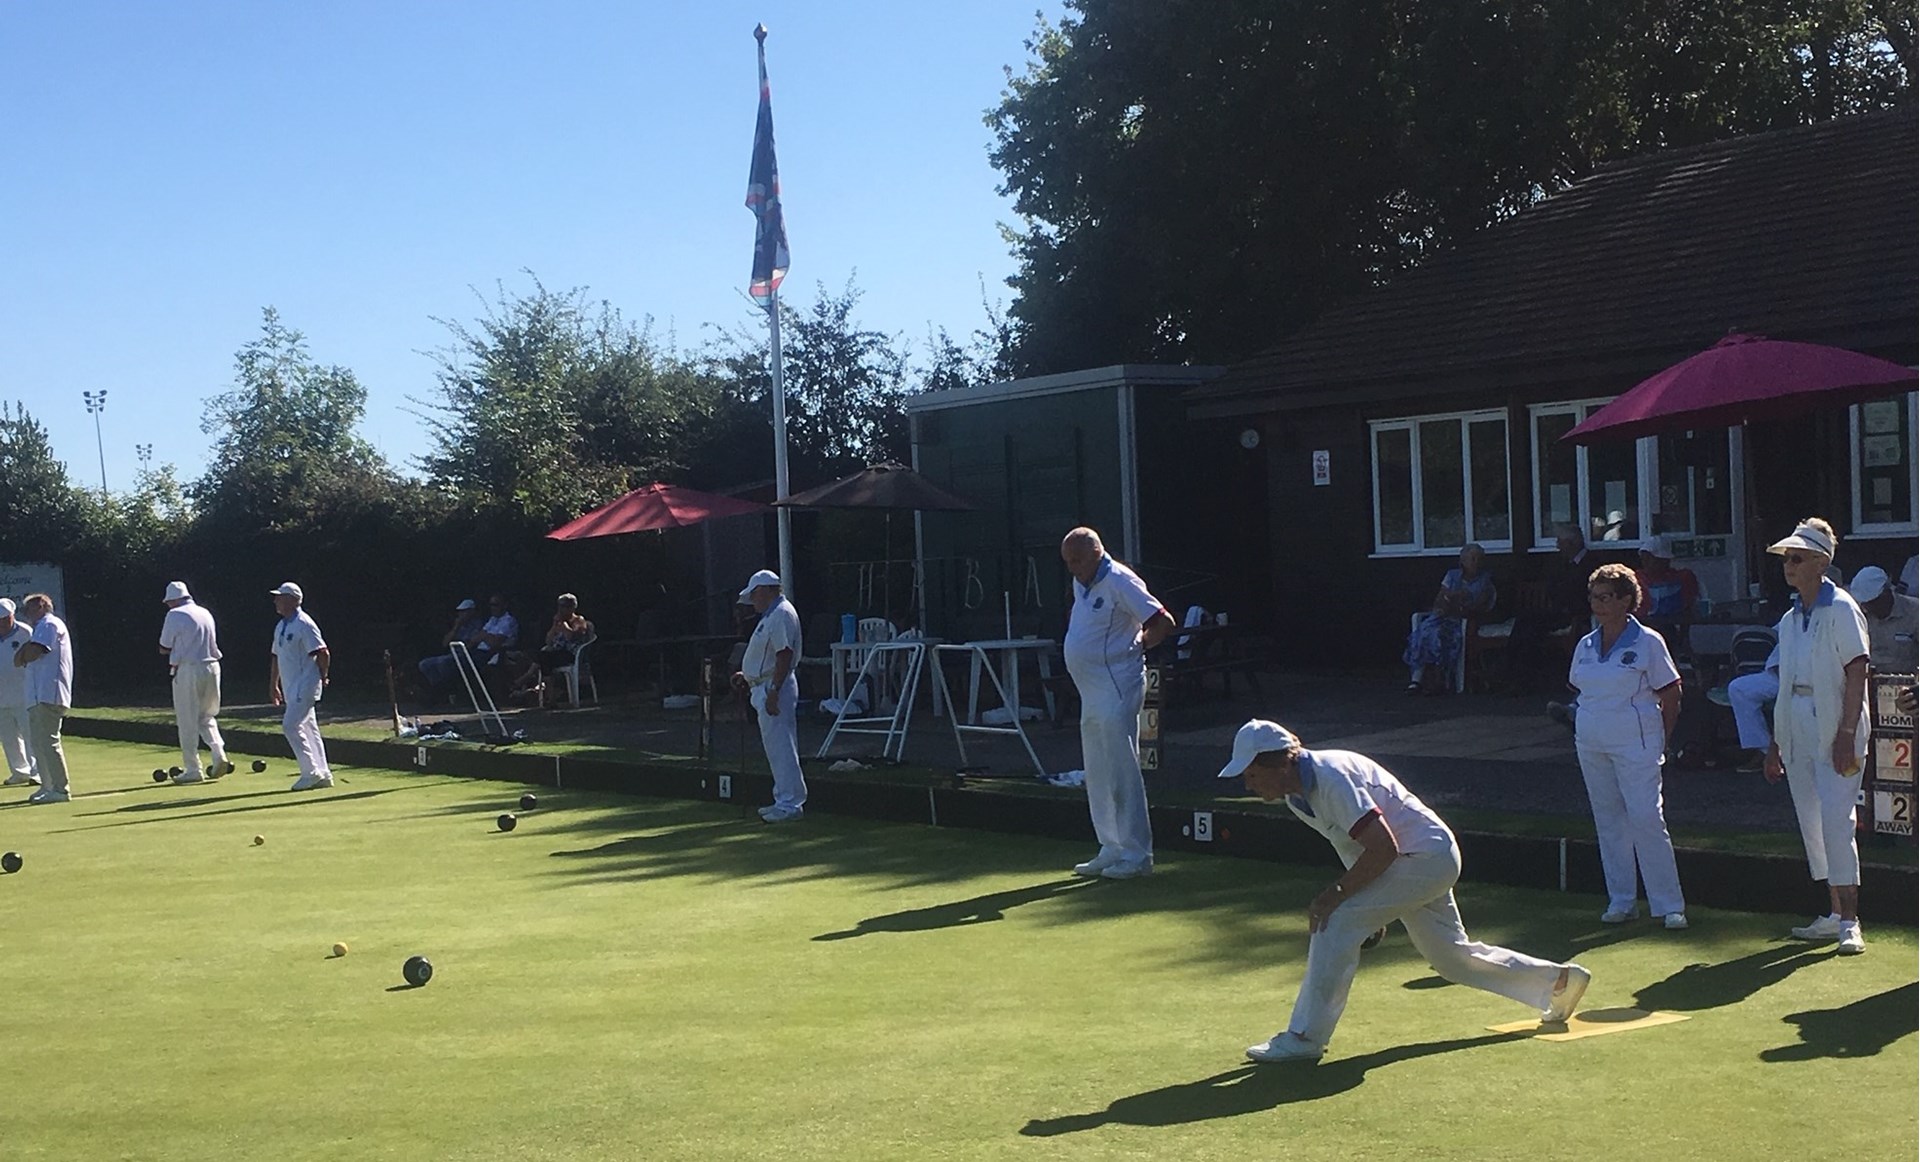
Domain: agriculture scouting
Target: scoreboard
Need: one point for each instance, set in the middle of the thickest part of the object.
(1890, 790)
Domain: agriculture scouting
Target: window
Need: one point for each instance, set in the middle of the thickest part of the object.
(1440, 482)
(1693, 494)
(1883, 456)
(1596, 488)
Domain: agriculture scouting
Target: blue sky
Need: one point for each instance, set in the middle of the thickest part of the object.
(364, 167)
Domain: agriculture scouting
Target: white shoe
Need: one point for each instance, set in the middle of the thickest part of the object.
(1620, 915)
(1676, 921)
(1127, 869)
(20, 780)
(1852, 942)
(49, 796)
(189, 777)
(1097, 864)
(310, 782)
(1823, 929)
(1568, 998)
(220, 769)
(778, 814)
(1284, 1046)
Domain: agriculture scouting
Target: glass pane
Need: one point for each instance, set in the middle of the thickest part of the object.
(1613, 491)
(1492, 508)
(1671, 511)
(1556, 474)
(1393, 466)
(1884, 453)
(1712, 483)
(1442, 485)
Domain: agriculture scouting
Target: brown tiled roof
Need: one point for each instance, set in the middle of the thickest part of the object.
(1805, 233)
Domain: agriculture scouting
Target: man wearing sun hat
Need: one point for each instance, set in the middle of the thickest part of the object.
(1893, 621)
(1402, 862)
(13, 698)
(767, 674)
(191, 642)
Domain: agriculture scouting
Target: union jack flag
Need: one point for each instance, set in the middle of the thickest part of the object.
(763, 197)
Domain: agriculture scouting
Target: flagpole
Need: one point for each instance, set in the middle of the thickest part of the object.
(785, 517)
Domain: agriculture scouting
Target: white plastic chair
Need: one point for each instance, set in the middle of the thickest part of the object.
(577, 672)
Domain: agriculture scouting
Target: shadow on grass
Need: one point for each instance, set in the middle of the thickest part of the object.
(1249, 1089)
(978, 910)
(1860, 1029)
(1710, 986)
(286, 799)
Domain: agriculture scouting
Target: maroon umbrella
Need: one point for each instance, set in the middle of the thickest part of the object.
(657, 506)
(1740, 379)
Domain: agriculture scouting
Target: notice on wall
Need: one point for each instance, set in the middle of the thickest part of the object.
(21, 578)
(1322, 467)
(1880, 451)
(1880, 417)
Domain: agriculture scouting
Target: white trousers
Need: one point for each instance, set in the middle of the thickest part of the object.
(1416, 890)
(1629, 814)
(1822, 797)
(13, 740)
(780, 738)
(1110, 753)
(302, 729)
(44, 720)
(196, 706)
(1749, 695)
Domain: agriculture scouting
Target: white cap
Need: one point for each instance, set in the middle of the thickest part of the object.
(7, 606)
(1868, 584)
(465, 604)
(1256, 738)
(763, 577)
(1804, 537)
(288, 589)
(176, 590)
(1657, 547)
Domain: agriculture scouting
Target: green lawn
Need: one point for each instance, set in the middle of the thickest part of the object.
(667, 980)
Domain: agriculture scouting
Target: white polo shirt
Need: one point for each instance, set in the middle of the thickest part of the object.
(294, 641)
(50, 676)
(13, 679)
(1618, 707)
(779, 629)
(1342, 790)
(188, 633)
(1103, 628)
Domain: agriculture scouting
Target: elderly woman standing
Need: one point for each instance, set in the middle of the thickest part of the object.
(1820, 724)
(1629, 700)
(1434, 644)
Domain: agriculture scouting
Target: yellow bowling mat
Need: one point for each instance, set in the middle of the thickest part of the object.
(1591, 1023)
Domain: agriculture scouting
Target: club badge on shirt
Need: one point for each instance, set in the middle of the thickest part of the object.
(1098, 602)
(1628, 658)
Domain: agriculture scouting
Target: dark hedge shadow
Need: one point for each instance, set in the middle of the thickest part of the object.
(1248, 1089)
(1860, 1029)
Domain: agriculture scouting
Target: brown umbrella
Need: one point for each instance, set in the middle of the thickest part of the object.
(888, 487)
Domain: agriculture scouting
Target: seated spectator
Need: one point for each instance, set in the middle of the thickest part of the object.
(568, 632)
(438, 671)
(1435, 642)
(1750, 696)
(1893, 621)
(1543, 639)
(1667, 595)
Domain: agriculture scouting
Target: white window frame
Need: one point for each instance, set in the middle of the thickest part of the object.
(1646, 459)
(1861, 528)
(1411, 425)
(1692, 483)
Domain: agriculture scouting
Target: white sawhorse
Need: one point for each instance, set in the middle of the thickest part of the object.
(873, 671)
(977, 653)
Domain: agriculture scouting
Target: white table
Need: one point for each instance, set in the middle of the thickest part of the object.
(1010, 651)
(879, 659)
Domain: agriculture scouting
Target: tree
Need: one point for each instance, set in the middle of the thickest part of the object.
(550, 405)
(1196, 178)
(41, 512)
(287, 449)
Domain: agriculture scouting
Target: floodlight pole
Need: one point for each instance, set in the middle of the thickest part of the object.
(97, 403)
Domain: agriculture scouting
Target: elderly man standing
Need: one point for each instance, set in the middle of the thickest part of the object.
(1893, 622)
(1114, 622)
(13, 699)
(767, 674)
(189, 640)
(298, 676)
(48, 660)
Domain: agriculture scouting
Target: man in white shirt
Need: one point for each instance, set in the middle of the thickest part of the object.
(48, 661)
(1893, 622)
(767, 674)
(13, 699)
(1114, 622)
(191, 642)
(298, 675)
(1402, 862)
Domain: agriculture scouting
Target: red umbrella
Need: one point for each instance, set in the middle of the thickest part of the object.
(1740, 379)
(657, 506)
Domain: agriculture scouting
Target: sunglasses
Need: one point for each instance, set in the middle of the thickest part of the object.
(1604, 595)
(1796, 558)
